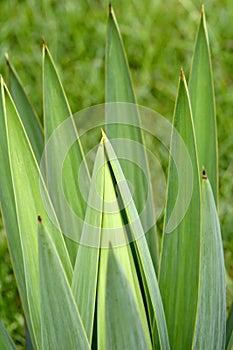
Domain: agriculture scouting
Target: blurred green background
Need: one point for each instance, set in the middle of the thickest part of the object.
(159, 39)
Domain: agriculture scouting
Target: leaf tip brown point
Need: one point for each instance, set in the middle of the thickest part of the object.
(204, 175)
(110, 7)
(44, 43)
(182, 74)
(39, 218)
(202, 9)
(7, 59)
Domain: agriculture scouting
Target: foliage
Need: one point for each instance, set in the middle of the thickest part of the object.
(163, 304)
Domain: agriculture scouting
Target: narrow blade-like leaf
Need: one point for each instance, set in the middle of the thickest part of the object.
(211, 320)
(203, 105)
(121, 310)
(122, 124)
(25, 195)
(179, 269)
(26, 112)
(62, 326)
(8, 206)
(84, 283)
(63, 156)
(119, 87)
(113, 231)
(6, 343)
(151, 289)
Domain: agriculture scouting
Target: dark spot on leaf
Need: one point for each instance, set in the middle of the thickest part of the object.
(204, 175)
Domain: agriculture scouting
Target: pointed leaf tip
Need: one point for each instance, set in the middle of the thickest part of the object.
(44, 43)
(7, 59)
(202, 9)
(104, 137)
(202, 98)
(110, 7)
(182, 76)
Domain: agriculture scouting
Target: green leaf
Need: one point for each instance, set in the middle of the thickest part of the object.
(202, 99)
(6, 343)
(211, 320)
(84, 283)
(98, 226)
(119, 87)
(121, 310)
(8, 206)
(26, 112)
(56, 107)
(35, 133)
(113, 230)
(179, 267)
(136, 234)
(26, 197)
(62, 326)
(229, 330)
(123, 121)
(63, 156)
(125, 257)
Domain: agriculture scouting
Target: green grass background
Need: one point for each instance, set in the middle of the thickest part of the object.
(159, 39)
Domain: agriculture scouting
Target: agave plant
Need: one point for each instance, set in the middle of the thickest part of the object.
(80, 288)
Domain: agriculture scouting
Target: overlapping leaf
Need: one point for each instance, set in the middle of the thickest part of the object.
(150, 284)
(25, 197)
(179, 269)
(203, 105)
(113, 299)
(8, 207)
(26, 112)
(211, 321)
(121, 310)
(63, 156)
(101, 226)
(61, 324)
(122, 124)
(84, 283)
(113, 231)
